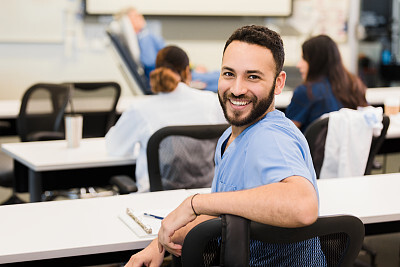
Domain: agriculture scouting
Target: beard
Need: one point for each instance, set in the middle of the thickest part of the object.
(259, 108)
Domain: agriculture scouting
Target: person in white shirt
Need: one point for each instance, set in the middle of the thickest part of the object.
(175, 103)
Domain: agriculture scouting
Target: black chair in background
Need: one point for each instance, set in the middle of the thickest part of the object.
(42, 112)
(182, 156)
(40, 118)
(97, 103)
(340, 239)
(316, 137)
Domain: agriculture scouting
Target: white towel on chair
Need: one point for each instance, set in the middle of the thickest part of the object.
(348, 141)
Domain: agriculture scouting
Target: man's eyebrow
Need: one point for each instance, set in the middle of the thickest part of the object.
(227, 68)
(255, 72)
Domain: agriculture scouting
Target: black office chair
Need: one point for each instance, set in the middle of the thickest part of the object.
(316, 137)
(226, 241)
(40, 118)
(182, 156)
(42, 111)
(97, 102)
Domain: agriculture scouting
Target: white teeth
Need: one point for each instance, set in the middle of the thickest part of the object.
(239, 102)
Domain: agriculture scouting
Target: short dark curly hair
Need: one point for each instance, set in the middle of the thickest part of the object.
(261, 35)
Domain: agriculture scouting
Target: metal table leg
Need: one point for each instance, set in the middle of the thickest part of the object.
(35, 185)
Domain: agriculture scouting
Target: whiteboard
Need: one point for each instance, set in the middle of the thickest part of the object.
(31, 20)
(196, 8)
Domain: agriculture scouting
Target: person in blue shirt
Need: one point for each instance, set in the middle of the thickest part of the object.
(150, 43)
(263, 170)
(328, 86)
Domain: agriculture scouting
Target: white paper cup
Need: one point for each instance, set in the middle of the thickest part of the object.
(73, 130)
(392, 106)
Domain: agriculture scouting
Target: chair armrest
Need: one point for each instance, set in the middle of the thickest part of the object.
(124, 183)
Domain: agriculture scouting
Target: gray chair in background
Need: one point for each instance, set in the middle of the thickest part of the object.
(182, 156)
(97, 103)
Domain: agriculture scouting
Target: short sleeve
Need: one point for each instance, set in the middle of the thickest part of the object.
(276, 155)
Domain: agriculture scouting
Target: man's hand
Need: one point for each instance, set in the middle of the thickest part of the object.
(177, 219)
(150, 256)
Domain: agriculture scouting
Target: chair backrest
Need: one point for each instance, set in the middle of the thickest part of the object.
(97, 102)
(225, 241)
(42, 110)
(316, 134)
(182, 156)
(123, 52)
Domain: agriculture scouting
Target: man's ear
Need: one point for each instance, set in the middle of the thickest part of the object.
(280, 82)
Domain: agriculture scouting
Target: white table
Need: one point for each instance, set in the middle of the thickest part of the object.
(47, 230)
(45, 156)
(68, 228)
(372, 198)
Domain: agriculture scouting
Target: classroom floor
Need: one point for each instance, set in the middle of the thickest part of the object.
(386, 246)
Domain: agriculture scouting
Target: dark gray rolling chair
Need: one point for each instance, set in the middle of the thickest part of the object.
(42, 112)
(316, 137)
(97, 103)
(40, 118)
(225, 241)
(182, 156)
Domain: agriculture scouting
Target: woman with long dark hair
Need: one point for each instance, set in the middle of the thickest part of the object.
(327, 85)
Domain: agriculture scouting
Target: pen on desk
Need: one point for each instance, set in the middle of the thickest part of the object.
(154, 216)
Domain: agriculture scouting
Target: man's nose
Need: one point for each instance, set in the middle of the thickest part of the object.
(238, 87)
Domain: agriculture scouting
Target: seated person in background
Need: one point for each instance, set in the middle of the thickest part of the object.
(263, 170)
(327, 86)
(175, 103)
(149, 44)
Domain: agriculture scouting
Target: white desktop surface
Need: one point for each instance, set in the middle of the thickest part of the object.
(89, 226)
(394, 127)
(372, 198)
(54, 155)
(75, 227)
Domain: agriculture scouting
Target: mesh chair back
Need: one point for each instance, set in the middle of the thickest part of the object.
(182, 156)
(339, 238)
(42, 110)
(316, 137)
(97, 102)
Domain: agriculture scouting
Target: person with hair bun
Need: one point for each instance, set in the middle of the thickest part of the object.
(174, 103)
(172, 67)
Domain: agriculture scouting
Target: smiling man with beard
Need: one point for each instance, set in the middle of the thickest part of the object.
(263, 170)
